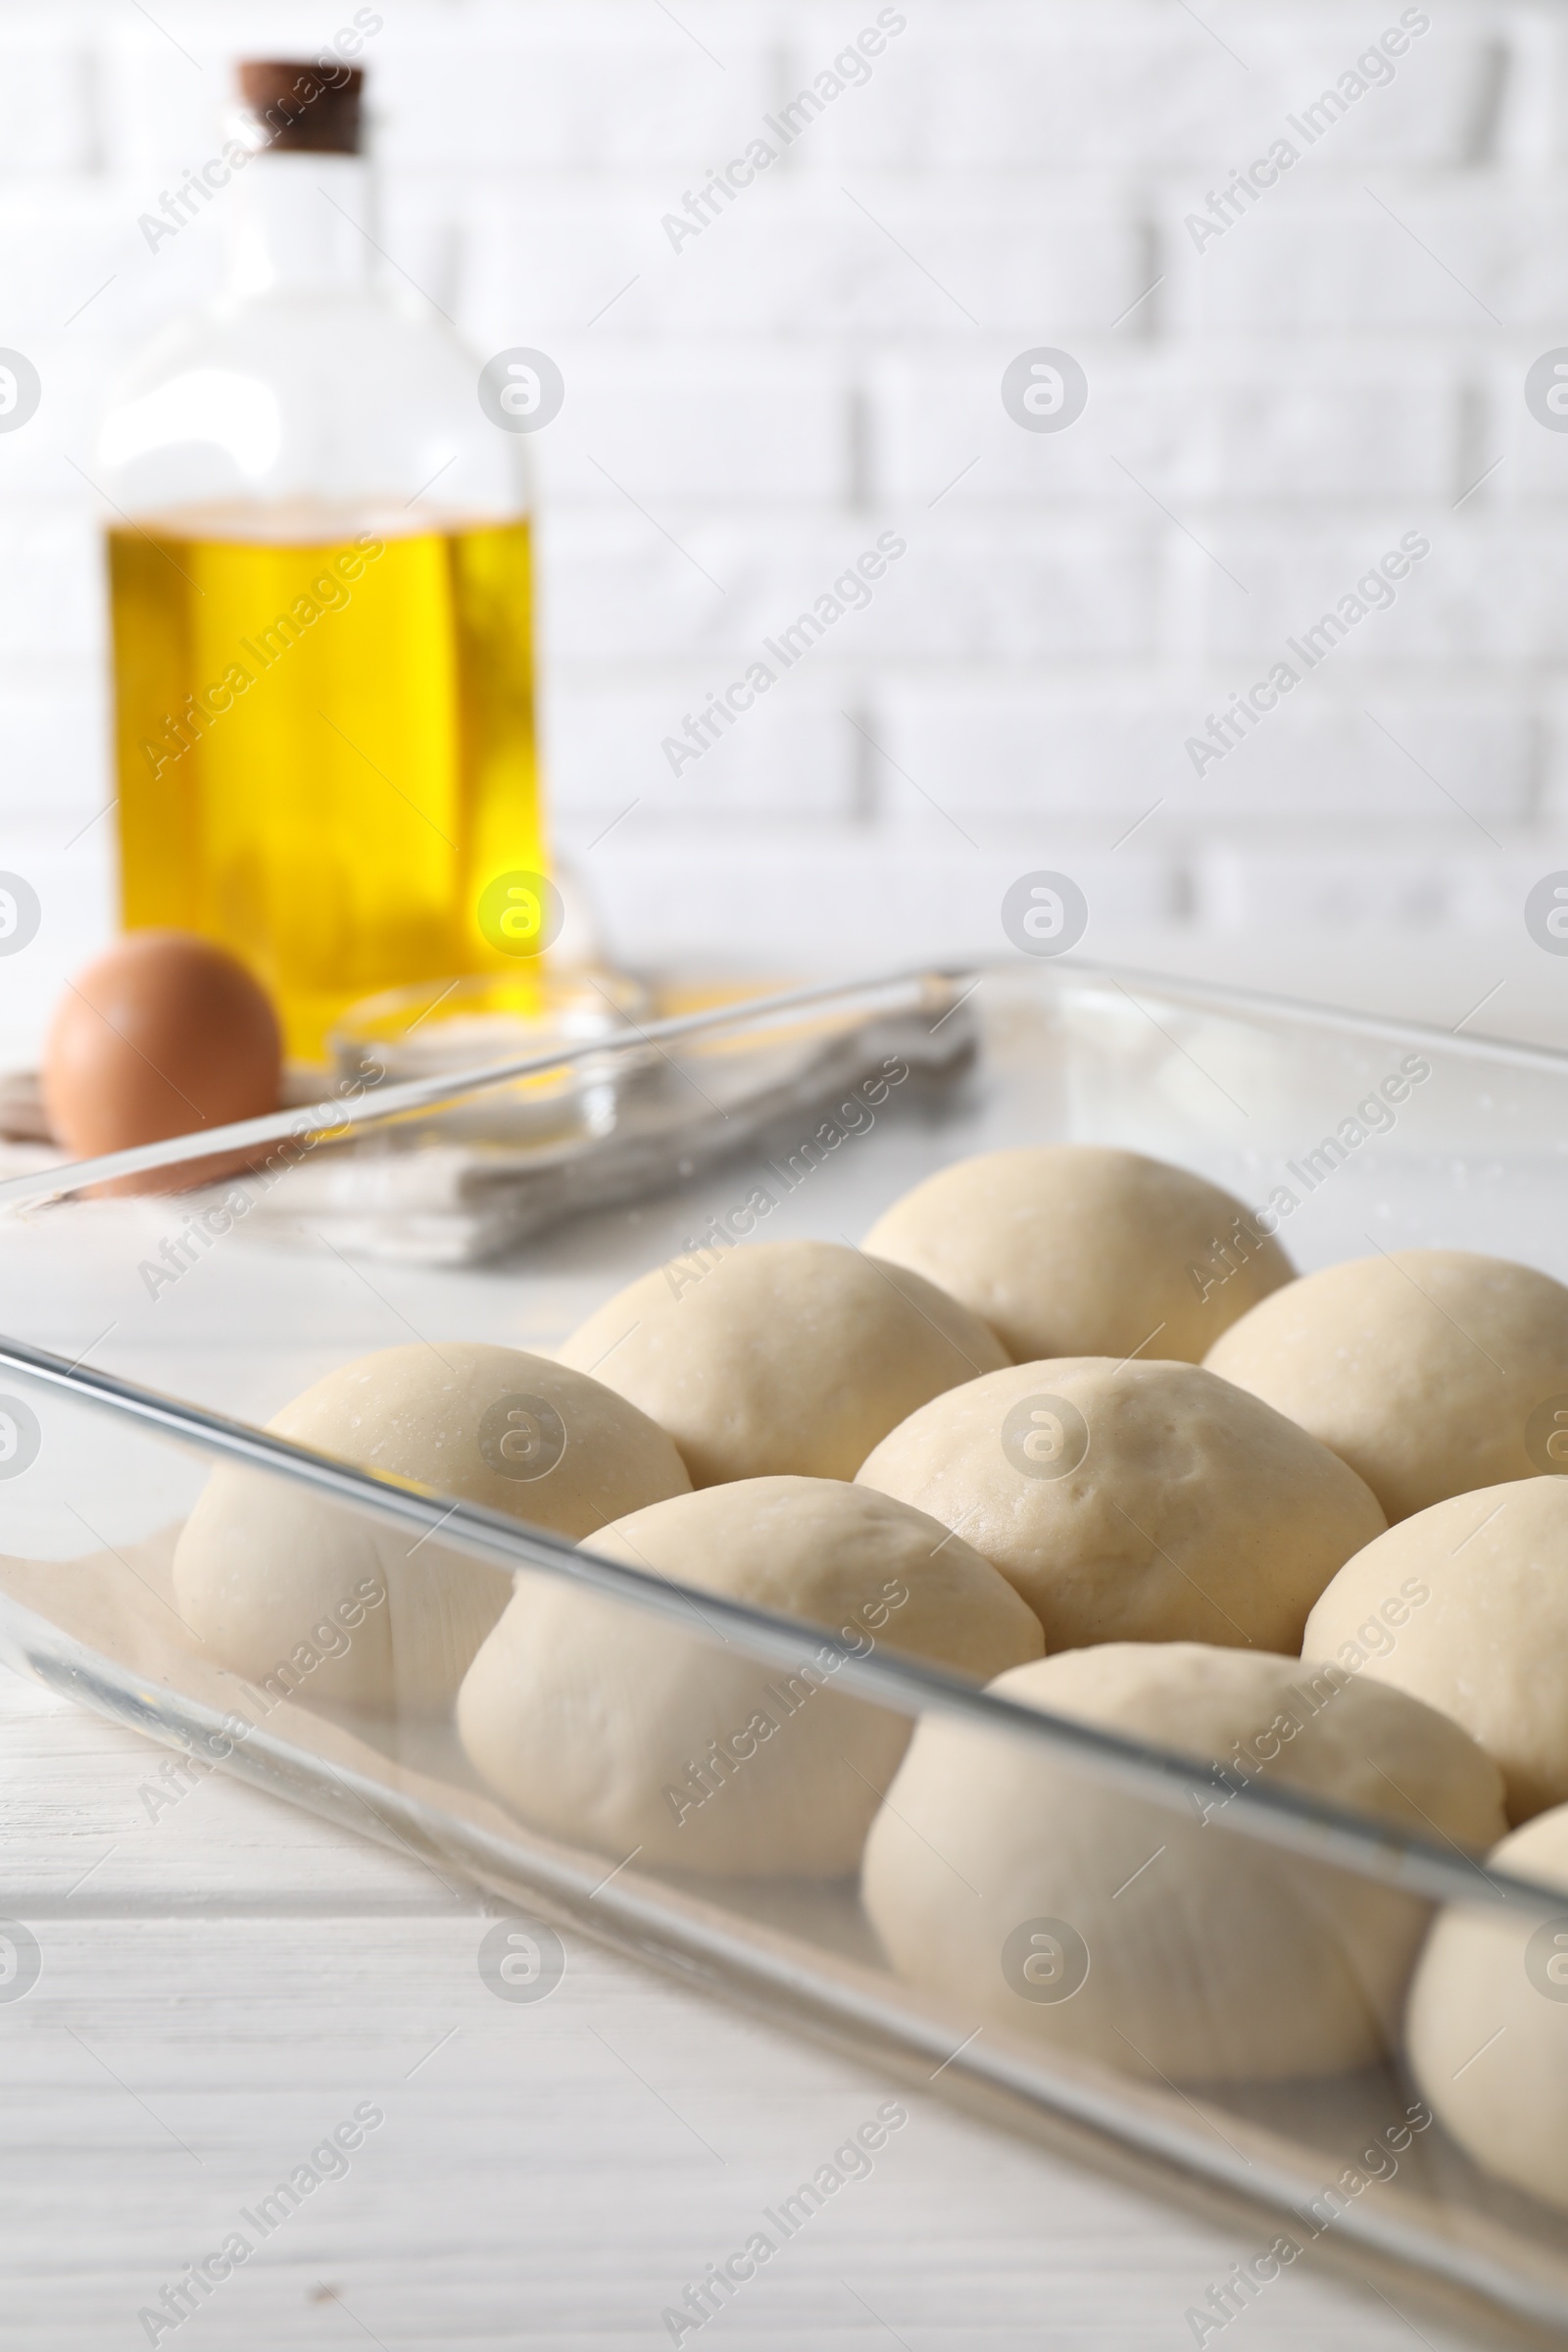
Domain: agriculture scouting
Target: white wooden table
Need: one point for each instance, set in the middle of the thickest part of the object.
(226, 1980)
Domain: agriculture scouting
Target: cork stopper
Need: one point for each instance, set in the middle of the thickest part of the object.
(297, 107)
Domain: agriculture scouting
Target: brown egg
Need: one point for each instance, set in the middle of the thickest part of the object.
(163, 1035)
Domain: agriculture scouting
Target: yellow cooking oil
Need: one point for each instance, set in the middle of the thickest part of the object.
(325, 748)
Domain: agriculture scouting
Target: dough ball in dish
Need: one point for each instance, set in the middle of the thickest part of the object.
(304, 1596)
(1431, 1371)
(1029, 1893)
(1466, 1607)
(1134, 1501)
(1487, 2028)
(1078, 1249)
(614, 1730)
(781, 1356)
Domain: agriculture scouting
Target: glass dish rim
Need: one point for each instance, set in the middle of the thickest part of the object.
(881, 992)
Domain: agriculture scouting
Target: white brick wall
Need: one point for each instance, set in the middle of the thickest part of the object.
(1267, 416)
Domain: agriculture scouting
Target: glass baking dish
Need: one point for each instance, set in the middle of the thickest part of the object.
(148, 1343)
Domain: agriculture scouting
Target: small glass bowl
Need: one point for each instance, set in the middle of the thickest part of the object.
(435, 1026)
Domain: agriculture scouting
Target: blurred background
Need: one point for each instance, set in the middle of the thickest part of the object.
(1281, 384)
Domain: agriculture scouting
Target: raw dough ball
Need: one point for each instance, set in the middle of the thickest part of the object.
(288, 1589)
(1075, 1249)
(1030, 1893)
(1134, 1503)
(1488, 2024)
(1466, 1607)
(1424, 1368)
(614, 1730)
(781, 1356)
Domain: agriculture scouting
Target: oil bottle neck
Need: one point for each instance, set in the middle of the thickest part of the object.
(299, 224)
